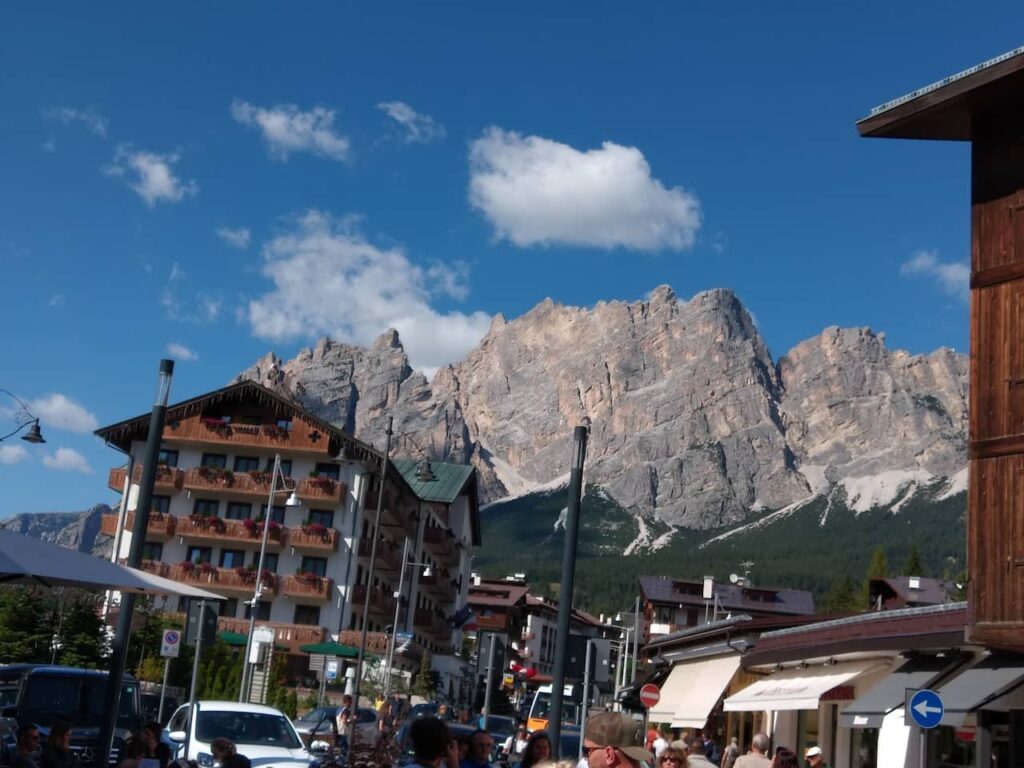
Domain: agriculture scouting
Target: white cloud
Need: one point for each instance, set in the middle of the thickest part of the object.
(12, 454)
(952, 277)
(418, 128)
(328, 280)
(181, 352)
(203, 307)
(235, 237)
(535, 191)
(68, 460)
(93, 121)
(56, 300)
(61, 412)
(288, 129)
(153, 176)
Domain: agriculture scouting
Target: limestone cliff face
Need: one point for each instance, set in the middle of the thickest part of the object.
(692, 422)
(75, 530)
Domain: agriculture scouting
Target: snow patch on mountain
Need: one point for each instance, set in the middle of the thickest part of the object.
(954, 485)
(882, 489)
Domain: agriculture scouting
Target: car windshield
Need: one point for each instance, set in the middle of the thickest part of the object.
(318, 714)
(247, 728)
(77, 700)
(502, 726)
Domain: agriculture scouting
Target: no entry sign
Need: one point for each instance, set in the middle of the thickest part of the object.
(650, 695)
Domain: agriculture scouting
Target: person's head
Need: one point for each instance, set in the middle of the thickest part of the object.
(671, 758)
(346, 700)
(481, 744)
(680, 746)
(28, 738)
(613, 739)
(696, 746)
(60, 737)
(785, 758)
(151, 733)
(222, 749)
(814, 756)
(429, 738)
(760, 743)
(734, 742)
(538, 749)
(706, 734)
(135, 747)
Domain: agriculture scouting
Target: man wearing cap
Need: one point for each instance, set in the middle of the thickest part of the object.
(814, 758)
(613, 739)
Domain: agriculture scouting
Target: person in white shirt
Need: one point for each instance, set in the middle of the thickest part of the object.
(660, 745)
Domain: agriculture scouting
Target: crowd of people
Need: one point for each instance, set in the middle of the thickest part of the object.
(701, 751)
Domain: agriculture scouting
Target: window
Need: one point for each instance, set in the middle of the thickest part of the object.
(247, 728)
(276, 514)
(199, 555)
(232, 558)
(167, 457)
(285, 424)
(269, 561)
(317, 565)
(307, 614)
(160, 504)
(328, 469)
(152, 550)
(205, 508)
(238, 511)
(262, 610)
(218, 460)
(246, 463)
(177, 721)
(286, 466)
(228, 608)
(322, 516)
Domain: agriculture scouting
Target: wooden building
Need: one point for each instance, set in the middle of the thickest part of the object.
(984, 105)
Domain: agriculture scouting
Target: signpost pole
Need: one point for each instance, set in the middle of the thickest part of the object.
(170, 647)
(163, 691)
(193, 693)
(586, 697)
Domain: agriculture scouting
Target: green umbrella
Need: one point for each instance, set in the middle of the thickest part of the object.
(232, 638)
(332, 649)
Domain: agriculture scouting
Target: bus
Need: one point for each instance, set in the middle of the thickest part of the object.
(537, 719)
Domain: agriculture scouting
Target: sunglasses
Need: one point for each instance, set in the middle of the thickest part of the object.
(670, 759)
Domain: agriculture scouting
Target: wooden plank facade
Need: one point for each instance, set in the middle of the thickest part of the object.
(983, 106)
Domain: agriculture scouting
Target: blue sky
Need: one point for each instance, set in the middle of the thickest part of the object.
(234, 178)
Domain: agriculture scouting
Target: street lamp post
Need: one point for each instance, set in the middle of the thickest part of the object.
(293, 501)
(23, 417)
(398, 607)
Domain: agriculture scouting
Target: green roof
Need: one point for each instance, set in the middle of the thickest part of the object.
(450, 479)
(232, 638)
(332, 649)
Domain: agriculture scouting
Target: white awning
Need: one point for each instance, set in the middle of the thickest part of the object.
(691, 690)
(796, 688)
(889, 693)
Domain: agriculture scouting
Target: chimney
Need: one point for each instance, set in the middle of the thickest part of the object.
(915, 582)
(476, 580)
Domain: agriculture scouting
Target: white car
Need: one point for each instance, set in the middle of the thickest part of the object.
(262, 734)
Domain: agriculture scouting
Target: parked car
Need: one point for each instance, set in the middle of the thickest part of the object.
(500, 727)
(432, 709)
(318, 725)
(406, 756)
(44, 695)
(263, 734)
(151, 707)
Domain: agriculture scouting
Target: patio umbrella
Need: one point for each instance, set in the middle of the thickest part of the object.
(331, 649)
(32, 562)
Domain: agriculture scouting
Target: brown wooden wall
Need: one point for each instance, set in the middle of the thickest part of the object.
(995, 536)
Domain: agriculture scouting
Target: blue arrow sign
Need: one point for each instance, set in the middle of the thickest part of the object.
(925, 708)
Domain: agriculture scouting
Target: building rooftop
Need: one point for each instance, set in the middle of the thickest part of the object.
(731, 597)
(948, 109)
(497, 593)
(449, 483)
(926, 592)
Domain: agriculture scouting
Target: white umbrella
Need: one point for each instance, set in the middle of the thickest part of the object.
(24, 560)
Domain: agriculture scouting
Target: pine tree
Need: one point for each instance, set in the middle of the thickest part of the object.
(842, 597)
(291, 706)
(26, 626)
(913, 566)
(878, 568)
(83, 637)
(425, 684)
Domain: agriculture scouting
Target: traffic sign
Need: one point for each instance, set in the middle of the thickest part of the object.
(650, 695)
(332, 670)
(925, 707)
(171, 645)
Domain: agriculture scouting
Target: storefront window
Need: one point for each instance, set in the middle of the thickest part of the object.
(807, 731)
(953, 747)
(863, 747)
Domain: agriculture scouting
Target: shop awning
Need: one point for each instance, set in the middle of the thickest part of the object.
(691, 690)
(978, 685)
(797, 688)
(869, 710)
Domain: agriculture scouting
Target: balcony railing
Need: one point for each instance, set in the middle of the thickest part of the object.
(234, 580)
(441, 543)
(430, 622)
(321, 489)
(308, 537)
(376, 642)
(382, 602)
(440, 585)
(225, 481)
(159, 527)
(212, 528)
(308, 586)
(168, 479)
(388, 555)
(290, 635)
(197, 429)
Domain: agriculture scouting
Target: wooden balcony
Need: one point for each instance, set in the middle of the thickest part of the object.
(428, 621)
(310, 539)
(224, 481)
(198, 430)
(158, 527)
(441, 543)
(230, 580)
(218, 529)
(168, 479)
(440, 585)
(382, 602)
(290, 635)
(315, 588)
(321, 489)
(376, 642)
(389, 556)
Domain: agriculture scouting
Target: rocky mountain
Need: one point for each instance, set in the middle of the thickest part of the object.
(693, 423)
(75, 530)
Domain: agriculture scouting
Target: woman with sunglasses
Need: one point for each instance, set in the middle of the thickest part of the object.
(671, 758)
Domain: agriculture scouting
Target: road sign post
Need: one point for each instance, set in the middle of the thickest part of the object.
(650, 695)
(170, 648)
(924, 707)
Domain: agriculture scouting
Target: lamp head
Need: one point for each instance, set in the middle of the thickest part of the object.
(424, 472)
(427, 572)
(33, 435)
(293, 500)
